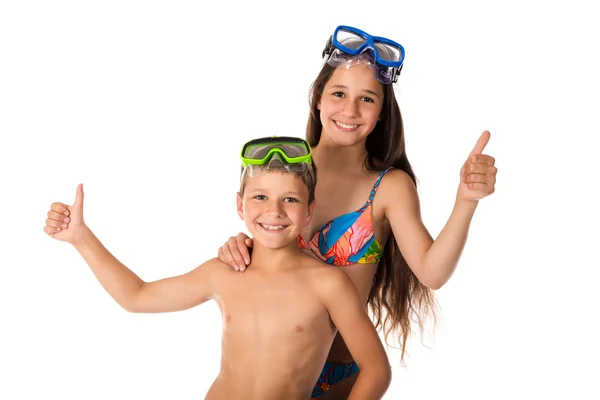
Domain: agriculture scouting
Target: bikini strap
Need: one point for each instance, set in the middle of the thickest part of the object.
(376, 185)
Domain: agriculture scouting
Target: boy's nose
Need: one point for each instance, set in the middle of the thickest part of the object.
(273, 208)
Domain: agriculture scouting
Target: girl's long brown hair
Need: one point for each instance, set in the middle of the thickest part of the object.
(397, 297)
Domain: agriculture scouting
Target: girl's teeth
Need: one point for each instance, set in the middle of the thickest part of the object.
(345, 126)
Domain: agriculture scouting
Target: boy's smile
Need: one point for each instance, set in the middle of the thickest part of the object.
(275, 208)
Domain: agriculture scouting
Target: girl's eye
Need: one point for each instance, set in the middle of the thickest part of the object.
(367, 99)
(338, 94)
(260, 197)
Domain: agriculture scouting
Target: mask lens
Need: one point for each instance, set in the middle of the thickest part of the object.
(259, 151)
(388, 52)
(349, 39)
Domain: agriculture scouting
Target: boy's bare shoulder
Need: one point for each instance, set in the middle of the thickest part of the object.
(214, 272)
(214, 266)
(325, 277)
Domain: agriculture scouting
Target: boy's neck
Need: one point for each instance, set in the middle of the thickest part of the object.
(274, 259)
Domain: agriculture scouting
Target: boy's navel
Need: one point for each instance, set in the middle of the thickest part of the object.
(299, 328)
(228, 318)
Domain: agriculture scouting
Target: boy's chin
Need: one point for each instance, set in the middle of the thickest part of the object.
(274, 243)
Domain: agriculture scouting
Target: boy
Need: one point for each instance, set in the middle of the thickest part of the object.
(280, 317)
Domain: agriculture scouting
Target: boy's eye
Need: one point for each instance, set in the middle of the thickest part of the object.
(260, 197)
(291, 200)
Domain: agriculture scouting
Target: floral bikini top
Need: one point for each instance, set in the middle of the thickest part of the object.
(349, 238)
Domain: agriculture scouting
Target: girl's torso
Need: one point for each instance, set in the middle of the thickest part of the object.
(348, 228)
(351, 203)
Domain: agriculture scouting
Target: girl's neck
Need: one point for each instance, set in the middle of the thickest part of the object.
(333, 158)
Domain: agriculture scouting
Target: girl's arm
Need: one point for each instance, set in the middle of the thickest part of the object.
(434, 262)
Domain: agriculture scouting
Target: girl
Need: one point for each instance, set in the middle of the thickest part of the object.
(367, 217)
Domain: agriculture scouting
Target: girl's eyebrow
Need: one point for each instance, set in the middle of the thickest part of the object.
(365, 90)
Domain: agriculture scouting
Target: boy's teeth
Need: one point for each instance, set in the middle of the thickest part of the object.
(273, 227)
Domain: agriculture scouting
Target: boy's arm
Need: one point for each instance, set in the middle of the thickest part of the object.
(352, 321)
(135, 295)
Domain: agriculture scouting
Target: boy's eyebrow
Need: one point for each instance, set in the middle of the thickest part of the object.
(264, 190)
(366, 90)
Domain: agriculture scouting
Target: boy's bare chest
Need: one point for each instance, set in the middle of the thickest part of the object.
(272, 309)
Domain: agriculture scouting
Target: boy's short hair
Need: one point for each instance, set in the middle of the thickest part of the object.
(306, 172)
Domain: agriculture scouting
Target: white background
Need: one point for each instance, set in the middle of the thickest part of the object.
(148, 103)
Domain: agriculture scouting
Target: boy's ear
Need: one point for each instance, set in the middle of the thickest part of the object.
(240, 205)
(309, 215)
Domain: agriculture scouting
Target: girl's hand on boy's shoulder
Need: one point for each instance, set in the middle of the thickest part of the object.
(235, 252)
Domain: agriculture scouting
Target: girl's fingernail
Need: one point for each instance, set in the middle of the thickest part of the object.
(236, 268)
(64, 226)
(247, 261)
(66, 219)
(57, 229)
